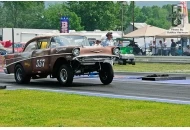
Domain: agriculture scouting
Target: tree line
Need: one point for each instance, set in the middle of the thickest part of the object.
(83, 15)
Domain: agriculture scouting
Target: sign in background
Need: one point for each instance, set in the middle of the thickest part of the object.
(64, 25)
(176, 15)
(179, 14)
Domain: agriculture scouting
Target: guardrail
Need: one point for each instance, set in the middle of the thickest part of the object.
(163, 59)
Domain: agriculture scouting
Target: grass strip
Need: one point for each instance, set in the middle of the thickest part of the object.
(40, 108)
(154, 67)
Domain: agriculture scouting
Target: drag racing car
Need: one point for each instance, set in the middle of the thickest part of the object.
(61, 56)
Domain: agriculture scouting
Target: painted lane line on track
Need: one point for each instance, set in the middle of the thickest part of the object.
(114, 96)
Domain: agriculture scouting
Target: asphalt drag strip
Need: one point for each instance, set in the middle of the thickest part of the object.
(124, 87)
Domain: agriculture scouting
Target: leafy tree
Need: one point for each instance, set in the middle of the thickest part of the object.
(96, 14)
(19, 13)
(53, 14)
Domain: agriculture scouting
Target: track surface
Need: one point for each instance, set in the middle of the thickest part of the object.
(128, 87)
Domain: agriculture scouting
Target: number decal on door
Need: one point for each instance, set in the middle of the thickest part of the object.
(40, 63)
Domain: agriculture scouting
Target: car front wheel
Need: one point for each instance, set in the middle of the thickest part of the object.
(106, 74)
(65, 75)
(20, 75)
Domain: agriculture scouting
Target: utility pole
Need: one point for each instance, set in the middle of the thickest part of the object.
(122, 19)
(122, 13)
(13, 47)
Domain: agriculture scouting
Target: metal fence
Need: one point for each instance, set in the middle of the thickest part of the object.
(160, 51)
(163, 59)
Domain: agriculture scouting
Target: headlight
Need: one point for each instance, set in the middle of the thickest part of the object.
(76, 51)
(116, 51)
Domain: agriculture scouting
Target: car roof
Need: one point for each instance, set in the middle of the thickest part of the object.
(49, 35)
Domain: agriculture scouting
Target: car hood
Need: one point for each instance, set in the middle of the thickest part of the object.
(85, 50)
(96, 50)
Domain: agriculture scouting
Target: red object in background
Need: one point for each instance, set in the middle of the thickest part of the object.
(6, 44)
(18, 47)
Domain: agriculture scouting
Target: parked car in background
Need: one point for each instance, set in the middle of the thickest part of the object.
(18, 47)
(61, 56)
(126, 52)
(3, 50)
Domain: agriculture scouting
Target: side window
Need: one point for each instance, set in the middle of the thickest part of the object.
(31, 47)
(43, 43)
(53, 43)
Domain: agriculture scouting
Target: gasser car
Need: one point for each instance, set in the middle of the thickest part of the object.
(61, 56)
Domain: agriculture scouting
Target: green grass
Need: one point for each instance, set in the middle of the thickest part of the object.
(37, 108)
(154, 67)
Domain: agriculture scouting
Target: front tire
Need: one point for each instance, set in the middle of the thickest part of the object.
(106, 74)
(65, 75)
(20, 75)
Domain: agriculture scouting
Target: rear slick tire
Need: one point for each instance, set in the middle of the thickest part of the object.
(20, 75)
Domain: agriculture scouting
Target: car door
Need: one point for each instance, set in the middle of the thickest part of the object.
(40, 57)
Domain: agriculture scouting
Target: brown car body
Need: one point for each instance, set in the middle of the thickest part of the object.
(39, 63)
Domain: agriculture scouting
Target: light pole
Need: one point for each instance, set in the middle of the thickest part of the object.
(122, 20)
(133, 17)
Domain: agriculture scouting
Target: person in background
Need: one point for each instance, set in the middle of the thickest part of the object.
(173, 47)
(165, 50)
(154, 48)
(120, 44)
(160, 48)
(187, 51)
(98, 43)
(179, 51)
(109, 40)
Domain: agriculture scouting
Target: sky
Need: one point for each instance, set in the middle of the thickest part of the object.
(143, 3)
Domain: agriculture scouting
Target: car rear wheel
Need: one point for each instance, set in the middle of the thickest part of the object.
(20, 75)
(65, 75)
(106, 74)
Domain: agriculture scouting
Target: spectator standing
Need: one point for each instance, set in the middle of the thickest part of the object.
(109, 40)
(165, 50)
(173, 47)
(160, 48)
(154, 48)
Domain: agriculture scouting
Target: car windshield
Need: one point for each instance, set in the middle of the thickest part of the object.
(71, 41)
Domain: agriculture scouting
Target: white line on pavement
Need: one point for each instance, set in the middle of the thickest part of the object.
(116, 96)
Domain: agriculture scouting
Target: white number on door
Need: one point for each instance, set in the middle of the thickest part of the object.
(40, 63)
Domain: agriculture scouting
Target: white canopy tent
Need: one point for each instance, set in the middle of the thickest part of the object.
(147, 31)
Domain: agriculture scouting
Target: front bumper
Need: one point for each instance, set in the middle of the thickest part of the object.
(95, 59)
(127, 56)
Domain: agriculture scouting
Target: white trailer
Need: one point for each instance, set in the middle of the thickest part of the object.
(21, 34)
